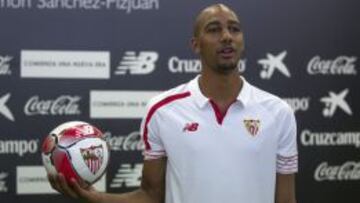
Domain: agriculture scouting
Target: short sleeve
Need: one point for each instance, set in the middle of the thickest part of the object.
(154, 148)
(287, 153)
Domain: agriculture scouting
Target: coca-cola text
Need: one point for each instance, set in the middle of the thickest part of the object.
(342, 65)
(350, 170)
(63, 105)
(131, 142)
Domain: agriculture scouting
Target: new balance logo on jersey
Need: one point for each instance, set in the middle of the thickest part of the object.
(141, 64)
(272, 63)
(3, 187)
(191, 127)
(127, 176)
(335, 101)
(4, 65)
(4, 110)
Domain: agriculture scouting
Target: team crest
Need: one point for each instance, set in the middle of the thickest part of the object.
(93, 157)
(252, 126)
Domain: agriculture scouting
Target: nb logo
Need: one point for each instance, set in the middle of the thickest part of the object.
(335, 101)
(4, 110)
(127, 176)
(142, 64)
(272, 63)
(191, 127)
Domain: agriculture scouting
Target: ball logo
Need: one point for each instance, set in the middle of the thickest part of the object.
(252, 126)
(93, 157)
(63, 105)
(84, 130)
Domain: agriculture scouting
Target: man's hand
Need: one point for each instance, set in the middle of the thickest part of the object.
(73, 189)
(152, 189)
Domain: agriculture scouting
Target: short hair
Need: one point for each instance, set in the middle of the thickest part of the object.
(196, 26)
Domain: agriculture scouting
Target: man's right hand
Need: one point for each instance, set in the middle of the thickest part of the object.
(73, 189)
(152, 189)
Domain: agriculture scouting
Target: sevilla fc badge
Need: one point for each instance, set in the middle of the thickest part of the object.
(93, 157)
(252, 126)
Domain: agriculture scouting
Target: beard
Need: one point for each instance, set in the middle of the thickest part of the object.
(226, 68)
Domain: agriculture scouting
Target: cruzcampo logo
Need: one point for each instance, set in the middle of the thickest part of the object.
(252, 126)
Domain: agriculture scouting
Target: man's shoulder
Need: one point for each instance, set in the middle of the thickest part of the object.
(170, 95)
(269, 100)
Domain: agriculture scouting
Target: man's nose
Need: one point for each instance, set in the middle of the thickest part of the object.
(226, 36)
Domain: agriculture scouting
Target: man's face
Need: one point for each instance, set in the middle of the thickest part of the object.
(219, 39)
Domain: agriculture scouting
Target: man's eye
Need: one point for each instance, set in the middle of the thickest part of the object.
(234, 29)
(213, 29)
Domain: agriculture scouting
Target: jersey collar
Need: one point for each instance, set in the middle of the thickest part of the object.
(202, 101)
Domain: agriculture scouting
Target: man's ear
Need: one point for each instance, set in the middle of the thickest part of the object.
(195, 45)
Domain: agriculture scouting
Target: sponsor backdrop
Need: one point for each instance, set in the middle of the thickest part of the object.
(101, 60)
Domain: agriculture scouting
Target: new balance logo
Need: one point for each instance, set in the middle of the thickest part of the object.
(4, 65)
(272, 63)
(127, 176)
(142, 64)
(4, 110)
(335, 101)
(191, 127)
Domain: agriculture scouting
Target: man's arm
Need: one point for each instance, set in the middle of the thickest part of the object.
(285, 188)
(152, 188)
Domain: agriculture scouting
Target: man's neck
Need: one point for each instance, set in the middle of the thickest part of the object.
(223, 89)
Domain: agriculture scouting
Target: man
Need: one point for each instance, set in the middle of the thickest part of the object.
(215, 139)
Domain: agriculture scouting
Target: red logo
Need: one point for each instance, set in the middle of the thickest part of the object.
(191, 127)
(93, 157)
(252, 126)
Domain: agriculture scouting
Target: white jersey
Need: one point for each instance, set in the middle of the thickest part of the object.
(214, 158)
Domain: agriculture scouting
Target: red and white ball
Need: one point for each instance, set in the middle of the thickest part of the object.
(78, 150)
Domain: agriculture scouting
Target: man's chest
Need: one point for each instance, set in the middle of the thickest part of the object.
(198, 132)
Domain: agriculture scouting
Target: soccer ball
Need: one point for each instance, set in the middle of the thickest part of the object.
(78, 150)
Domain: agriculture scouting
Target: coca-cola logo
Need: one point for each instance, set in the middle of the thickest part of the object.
(350, 170)
(130, 142)
(342, 65)
(63, 105)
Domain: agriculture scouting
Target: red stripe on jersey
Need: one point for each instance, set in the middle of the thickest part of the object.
(156, 106)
